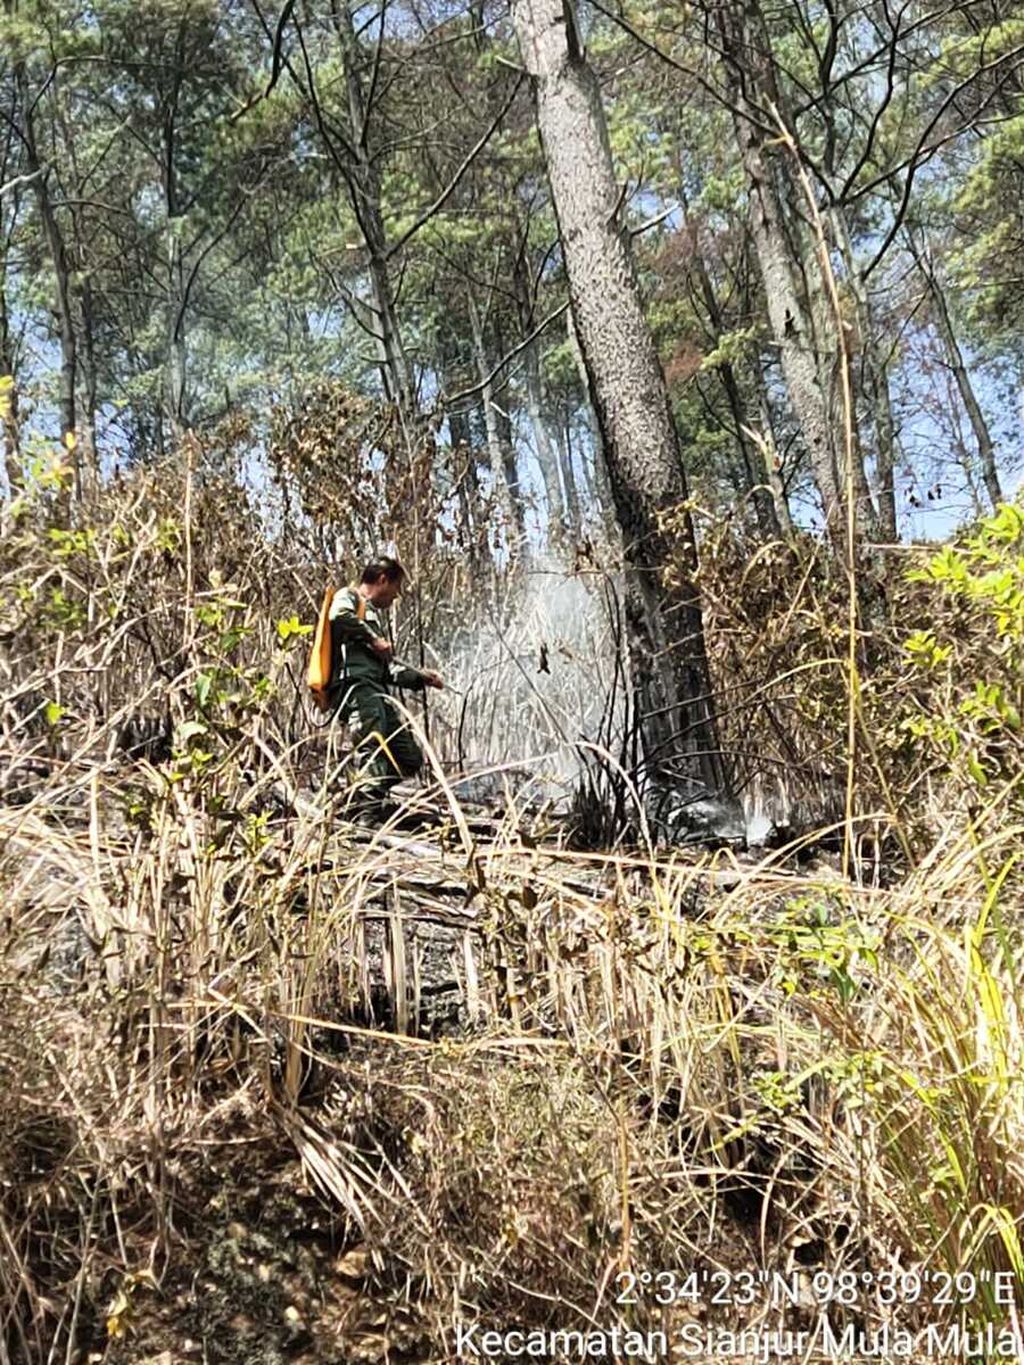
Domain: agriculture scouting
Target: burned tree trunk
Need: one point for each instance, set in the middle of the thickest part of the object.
(627, 387)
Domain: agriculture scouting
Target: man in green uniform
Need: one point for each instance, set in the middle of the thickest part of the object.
(364, 673)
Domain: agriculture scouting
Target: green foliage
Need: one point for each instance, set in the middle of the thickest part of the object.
(62, 611)
(924, 649)
(731, 348)
(71, 543)
(970, 711)
(817, 953)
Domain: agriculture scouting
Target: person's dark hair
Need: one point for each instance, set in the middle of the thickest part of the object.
(383, 567)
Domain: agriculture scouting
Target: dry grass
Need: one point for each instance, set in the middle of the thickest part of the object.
(236, 1116)
(816, 1075)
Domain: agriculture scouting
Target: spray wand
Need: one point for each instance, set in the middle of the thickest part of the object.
(403, 663)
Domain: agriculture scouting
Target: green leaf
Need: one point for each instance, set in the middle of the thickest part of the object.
(977, 771)
(293, 626)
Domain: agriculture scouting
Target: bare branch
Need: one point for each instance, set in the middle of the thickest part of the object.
(277, 63)
(448, 402)
(653, 222)
(21, 180)
(923, 152)
(881, 106)
(449, 189)
(374, 78)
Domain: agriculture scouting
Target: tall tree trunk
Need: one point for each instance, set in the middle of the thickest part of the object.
(965, 458)
(471, 523)
(546, 456)
(603, 498)
(773, 467)
(509, 456)
(504, 471)
(363, 175)
(174, 339)
(58, 260)
(877, 384)
(79, 245)
(9, 400)
(754, 485)
(90, 389)
(572, 494)
(174, 225)
(472, 527)
(10, 208)
(944, 323)
(807, 343)
(627, 386)
(874, 380)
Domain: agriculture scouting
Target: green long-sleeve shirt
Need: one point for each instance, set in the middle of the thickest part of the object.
(351, 644)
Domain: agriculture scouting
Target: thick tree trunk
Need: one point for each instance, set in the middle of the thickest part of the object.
(627, 386)
(793, 331)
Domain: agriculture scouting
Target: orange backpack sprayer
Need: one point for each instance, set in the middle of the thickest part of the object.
(321, 656)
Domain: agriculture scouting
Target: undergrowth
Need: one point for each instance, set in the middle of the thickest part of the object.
(210, 1145)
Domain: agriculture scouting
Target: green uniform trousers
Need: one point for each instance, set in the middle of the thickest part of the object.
(385, 748)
